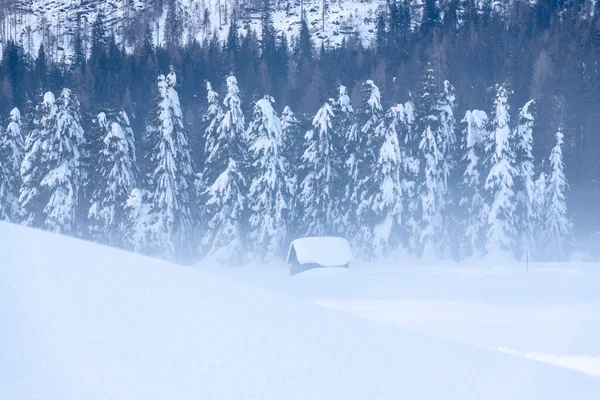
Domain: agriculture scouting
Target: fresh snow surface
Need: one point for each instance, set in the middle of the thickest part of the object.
(547, 313)
(83, 321)
(326, 251)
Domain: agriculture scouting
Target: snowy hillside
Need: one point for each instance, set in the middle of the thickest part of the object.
(54, 21)
(83, 321)
(37, 19)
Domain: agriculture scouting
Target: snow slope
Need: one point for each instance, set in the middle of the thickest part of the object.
(83, 321)
(28, 21)
(548, 313)
(343, 18)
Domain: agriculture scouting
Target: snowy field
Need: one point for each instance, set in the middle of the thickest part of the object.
(82, 321)
(548, 313)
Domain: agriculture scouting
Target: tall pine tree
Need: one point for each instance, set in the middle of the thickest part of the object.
(499, 183)
(171, 176)
(345, 127)
(291, 130)
(32, 197)
(52, 169)
(435, 128)
(539, 215)
(211, 118)
(116, 176)
(224, 185)
(472, 202)
(525, 180)
(12, 147)
(268, 194)
(558, 227)
(366, 157)
(318, 170)
(382, 211)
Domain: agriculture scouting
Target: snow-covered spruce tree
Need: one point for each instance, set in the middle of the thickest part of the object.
(409, 149)
(539, 214)
(116, 176)
(211, 118)
(224, 184)
(51, 169)
(12, 147)
(32, 197)
(64, 179)
(268, 194)
(171, 176)
(472, 203)
(432, 236)
(524, 180)
(366, 157)
(210, 121)
(446, 106)
(138, 221)
(499, 183)
(558, 227)
(346, 145)
(6, 194)
(318, 170)
(292, 152)
(382, 205)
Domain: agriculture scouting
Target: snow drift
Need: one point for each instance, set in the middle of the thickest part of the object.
(83, 321)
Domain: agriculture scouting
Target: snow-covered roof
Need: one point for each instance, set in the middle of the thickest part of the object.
(326, 251)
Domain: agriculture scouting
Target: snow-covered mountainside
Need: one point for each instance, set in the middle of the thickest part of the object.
(34, 21)
(201, 18)
(83, 321)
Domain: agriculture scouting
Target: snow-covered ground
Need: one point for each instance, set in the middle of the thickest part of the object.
(83, 321)
(548, 313)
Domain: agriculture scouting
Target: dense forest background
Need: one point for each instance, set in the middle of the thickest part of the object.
(548, 51)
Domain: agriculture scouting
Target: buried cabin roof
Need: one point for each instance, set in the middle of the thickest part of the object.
(325, 251)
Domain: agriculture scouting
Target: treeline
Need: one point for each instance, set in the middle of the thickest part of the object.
(408, 179)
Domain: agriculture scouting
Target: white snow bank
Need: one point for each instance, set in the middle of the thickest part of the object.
(586, 364)
(83, 321)
(325, 251)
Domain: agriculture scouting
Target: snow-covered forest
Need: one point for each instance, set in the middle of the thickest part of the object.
(228, 151)
(413, 178)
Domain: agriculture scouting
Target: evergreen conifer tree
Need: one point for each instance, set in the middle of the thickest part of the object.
(539, 215)
(224, 185)
(472, 197)
(211, 118)
(51, 170)
(382, 211)
(431, 16)
(499, 183)
(291, 129)
(524, 180)
(268, 195)
(117, 175)
(318, 171)
(435, 128)
(365, 158)
(446, 107)
(558, 227)
(32, 198)
(139, 221)
(64, 180)
(346, 145)
(171, 177)
(12, 147)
